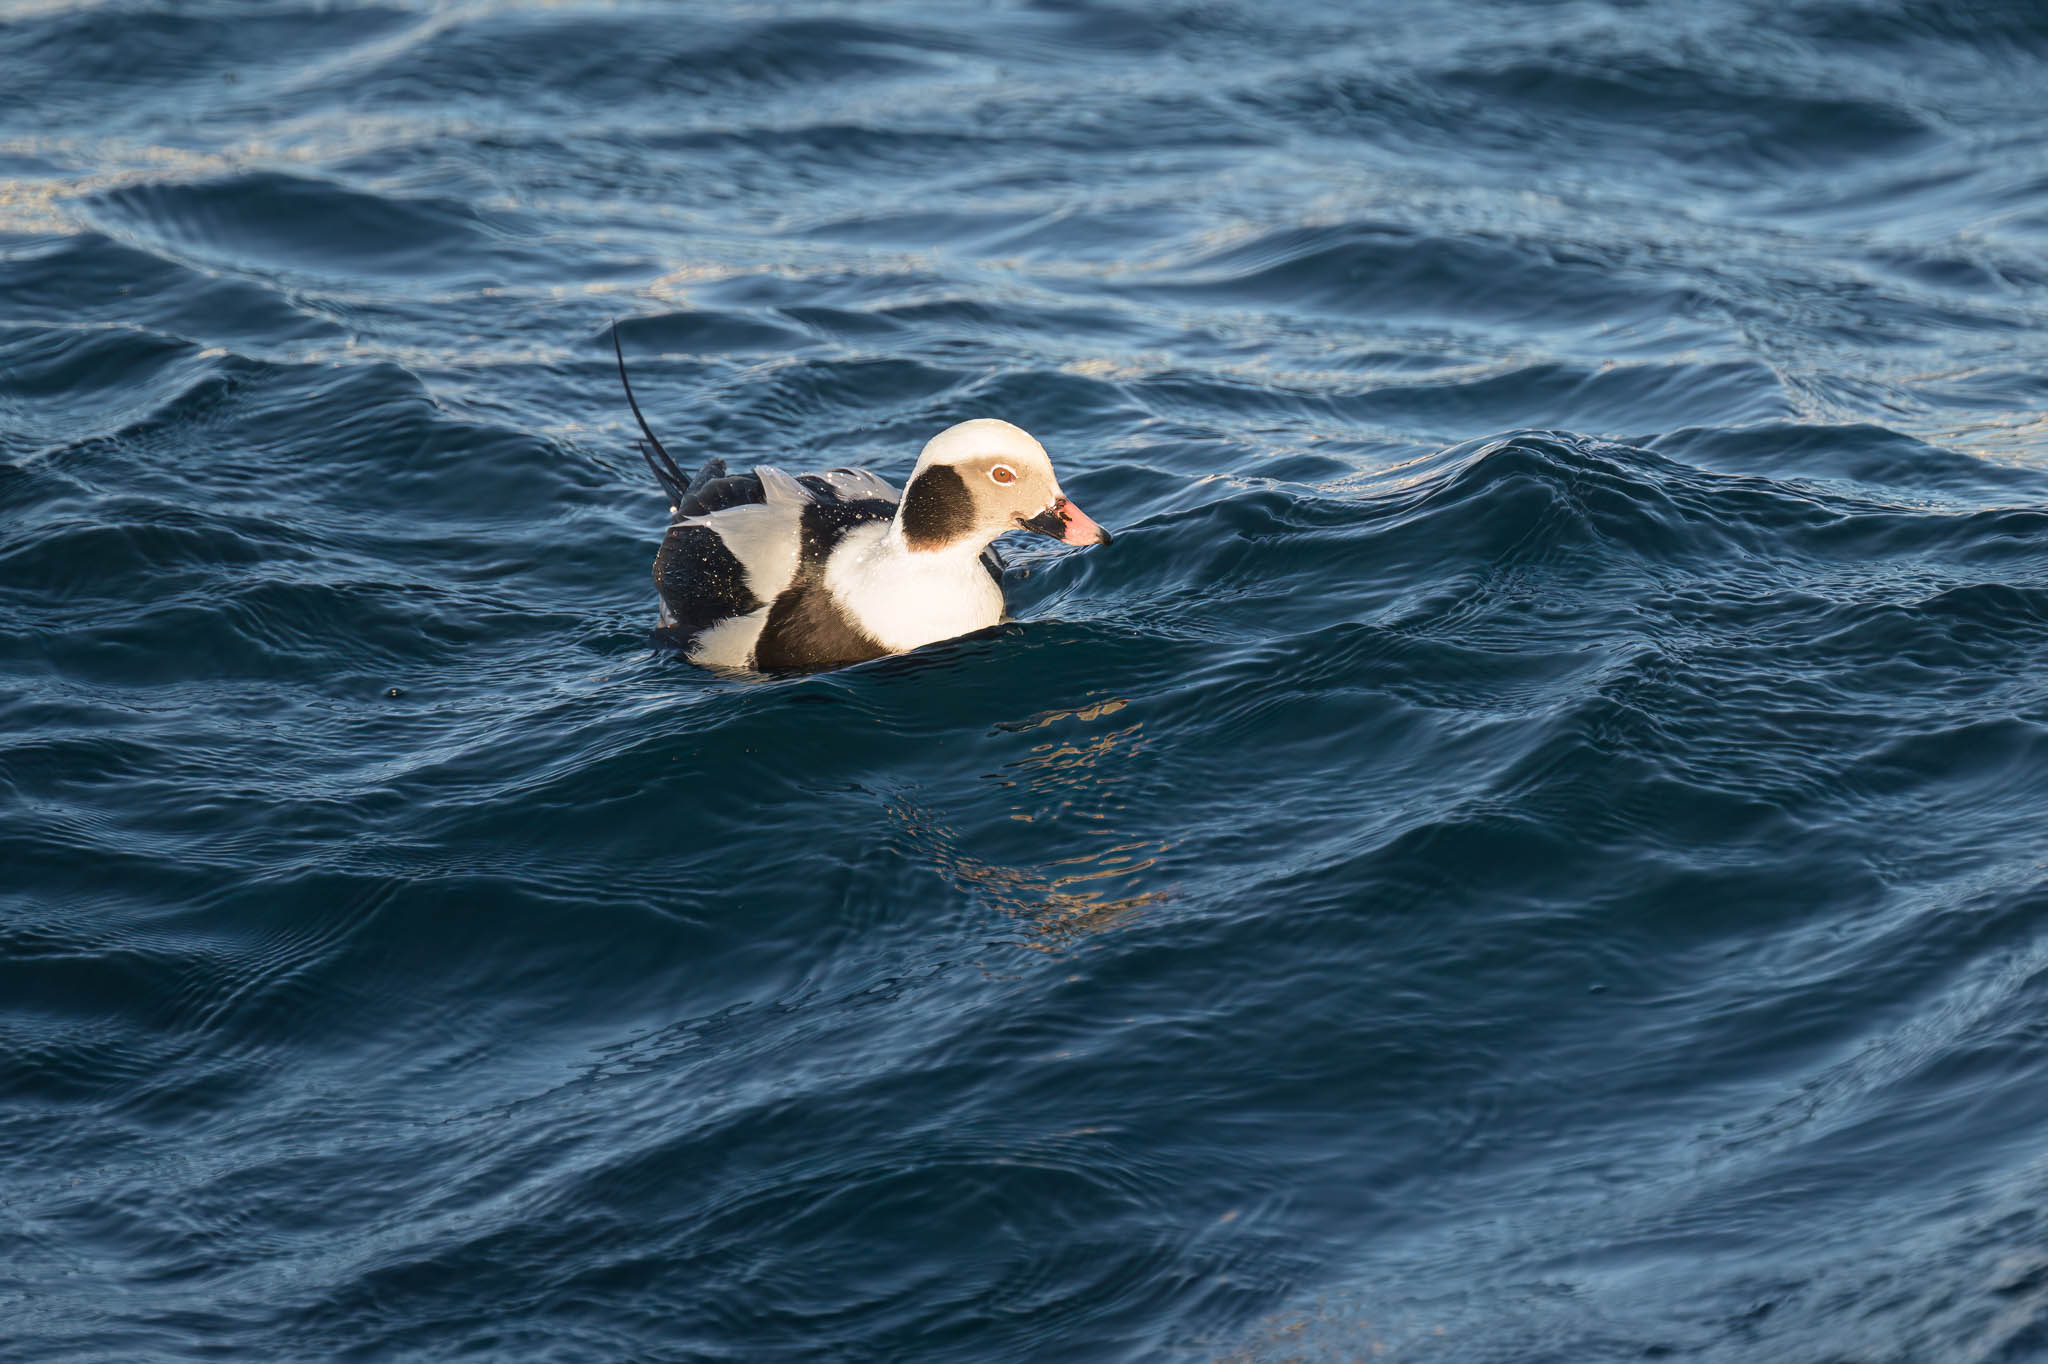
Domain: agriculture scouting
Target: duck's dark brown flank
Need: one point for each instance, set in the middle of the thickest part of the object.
(807, 629)
(936, 508)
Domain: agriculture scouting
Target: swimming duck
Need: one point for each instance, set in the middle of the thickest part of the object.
(764, 570)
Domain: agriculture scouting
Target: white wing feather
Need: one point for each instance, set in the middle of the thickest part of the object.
(857, 485)
(776, 486)
(763, 537)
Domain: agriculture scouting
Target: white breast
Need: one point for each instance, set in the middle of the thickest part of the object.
(904, 599)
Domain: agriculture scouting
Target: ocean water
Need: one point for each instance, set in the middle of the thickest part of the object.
(1529, 846)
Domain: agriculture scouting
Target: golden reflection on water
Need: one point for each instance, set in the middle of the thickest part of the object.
(2006, 437)
(1094, 877)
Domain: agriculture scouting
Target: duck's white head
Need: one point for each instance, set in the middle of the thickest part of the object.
(980, 478)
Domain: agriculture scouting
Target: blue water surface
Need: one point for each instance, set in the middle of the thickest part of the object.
(1529, 847)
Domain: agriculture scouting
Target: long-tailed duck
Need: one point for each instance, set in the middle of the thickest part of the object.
(767, 571)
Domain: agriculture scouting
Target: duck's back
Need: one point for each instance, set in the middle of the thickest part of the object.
(741, 569)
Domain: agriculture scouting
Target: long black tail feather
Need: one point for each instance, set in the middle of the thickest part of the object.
(671, 478)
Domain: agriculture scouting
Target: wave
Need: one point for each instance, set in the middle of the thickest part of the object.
(1535, 807)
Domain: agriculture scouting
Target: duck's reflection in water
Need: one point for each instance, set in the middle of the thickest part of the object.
(1069, 786)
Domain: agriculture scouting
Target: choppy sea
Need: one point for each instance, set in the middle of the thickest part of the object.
(1529, 847)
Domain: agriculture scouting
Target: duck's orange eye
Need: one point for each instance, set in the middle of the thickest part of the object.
(1003, 473)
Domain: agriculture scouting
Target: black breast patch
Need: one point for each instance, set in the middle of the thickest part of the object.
(806, 629)
(936, 508)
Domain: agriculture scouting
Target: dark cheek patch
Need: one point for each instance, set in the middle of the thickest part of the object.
(936, 508)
